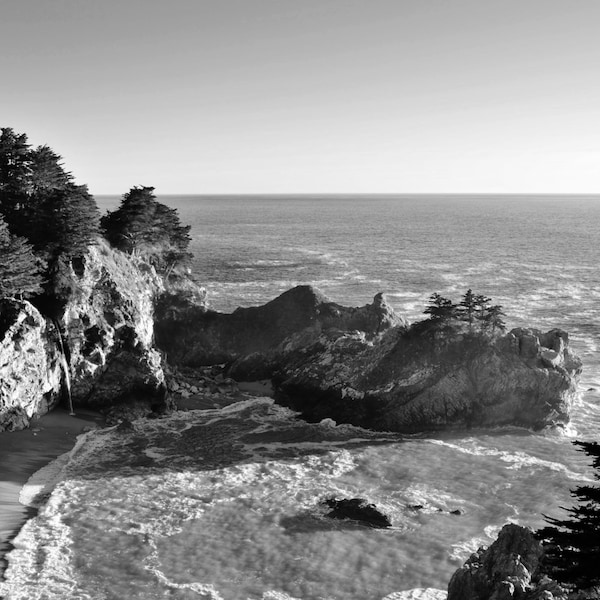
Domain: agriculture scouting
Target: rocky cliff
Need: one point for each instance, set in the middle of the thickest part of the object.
(30, 364)
(427, 378)
(365, 366)
(107, 327)
(101, 346)
(200, 337)
(508, 569)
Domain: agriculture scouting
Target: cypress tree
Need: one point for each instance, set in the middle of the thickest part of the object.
(145, 227)
(572, 545)
(20, 270)
(15, 173)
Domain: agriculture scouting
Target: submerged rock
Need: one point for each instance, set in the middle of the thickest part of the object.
(509, 568)
(357, 509)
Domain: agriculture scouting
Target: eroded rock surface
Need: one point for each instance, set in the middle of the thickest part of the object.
(508, 569)
(427, 378)
(30, 365)
(108, 329)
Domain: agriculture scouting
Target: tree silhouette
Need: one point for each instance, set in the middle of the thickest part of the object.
(66, 222)
(493, 318)
(440, 308)
(572, 546)
(145, 227)
(15, 173)
(20, 270)
(468, 306)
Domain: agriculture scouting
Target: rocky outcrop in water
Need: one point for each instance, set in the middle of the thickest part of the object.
(357, 509)
(508, 569)
(30, 364)
(366, 367)
(427, 377)
(198, 337)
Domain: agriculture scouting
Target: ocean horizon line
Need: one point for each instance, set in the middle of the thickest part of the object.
(371, 194)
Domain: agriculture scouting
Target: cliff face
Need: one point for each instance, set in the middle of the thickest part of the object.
(108, 328)
(102, 345)
(30, 365)
(417, 380)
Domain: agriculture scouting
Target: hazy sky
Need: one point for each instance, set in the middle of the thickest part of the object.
(235, 96)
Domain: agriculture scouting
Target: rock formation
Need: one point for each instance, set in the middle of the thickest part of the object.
(366, 367)
(101, 345)
(30, 364)
(199, 337)
(357, 509)
(108, 328)
(508, 569)
(425, 378)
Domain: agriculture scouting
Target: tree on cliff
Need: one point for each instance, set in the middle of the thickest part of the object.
(65, 222)
(39, 200)
(20, 270)
(467, 307)
(15, 173)
(493, 318)
(440, 308)
(572, 545)
(145, 227)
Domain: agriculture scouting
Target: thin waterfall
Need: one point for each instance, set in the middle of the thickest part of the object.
(65, 368)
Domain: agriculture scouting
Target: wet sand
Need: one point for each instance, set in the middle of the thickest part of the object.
(23, 453)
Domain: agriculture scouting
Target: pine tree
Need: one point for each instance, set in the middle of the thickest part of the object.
(572, 546)
(15, 173)
(20, 270)
(47, 171)
(467, 307)
(66, 222)
(493, 318)
(440, 308)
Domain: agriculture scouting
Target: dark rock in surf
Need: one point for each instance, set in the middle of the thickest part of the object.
(198, 337)
(357, 509)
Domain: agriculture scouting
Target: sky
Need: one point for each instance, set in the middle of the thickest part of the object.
(309, 96)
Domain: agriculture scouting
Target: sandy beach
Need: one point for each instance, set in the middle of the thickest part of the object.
(23, 453)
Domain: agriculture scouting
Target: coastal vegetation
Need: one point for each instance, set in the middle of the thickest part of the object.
(474, 309)
(144, 227)
(572, 545)
(48, 222)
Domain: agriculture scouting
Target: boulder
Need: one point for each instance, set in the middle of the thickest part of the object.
(199, 337)
(31, 368)
(509, 569)
(357, 509)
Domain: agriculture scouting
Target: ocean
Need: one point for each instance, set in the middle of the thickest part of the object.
(226, 503)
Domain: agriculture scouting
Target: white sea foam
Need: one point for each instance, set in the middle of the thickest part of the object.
(44, 480)
(418, 594)
(515, 460)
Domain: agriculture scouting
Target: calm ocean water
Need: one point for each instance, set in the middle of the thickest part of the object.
(225, 504)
